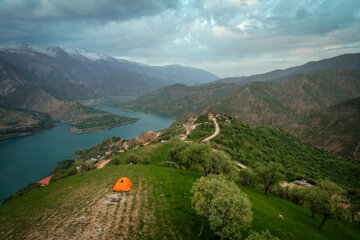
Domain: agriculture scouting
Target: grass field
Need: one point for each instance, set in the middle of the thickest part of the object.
(158, 207)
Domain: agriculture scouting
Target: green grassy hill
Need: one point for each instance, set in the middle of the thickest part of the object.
(336, 129)
(158, 207)
(249, 144)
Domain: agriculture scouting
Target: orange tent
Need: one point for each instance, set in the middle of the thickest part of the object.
(123, 185)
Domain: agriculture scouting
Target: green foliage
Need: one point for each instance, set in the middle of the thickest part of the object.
(246, 177)
(133, 158)
(220, 163)
(250, 144)
(87, 165)
(268, 175)
(63, 173)
(264, 235)
(102, 122)
(230, 213)
(322, 198)
(197, 156)
(164, 193)
(228, 209)
(63, 165)
(202, 131)
(175, 153)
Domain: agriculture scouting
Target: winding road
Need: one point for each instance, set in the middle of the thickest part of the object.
(217, 130)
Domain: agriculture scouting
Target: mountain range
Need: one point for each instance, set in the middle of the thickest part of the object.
(52, 80)
(274, 101)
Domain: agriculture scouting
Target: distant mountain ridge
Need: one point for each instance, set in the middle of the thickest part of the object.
(278, 103)
(75, 65)
(346, 61)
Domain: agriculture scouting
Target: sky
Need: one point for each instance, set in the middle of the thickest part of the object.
(227, 38)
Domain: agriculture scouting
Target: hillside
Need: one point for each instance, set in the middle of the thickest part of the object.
(336, 129)
(20, 122)
(180, 100)
(249, 144)
(346, 61)
(126, 84)
(278, 103)
(84, 118)
(157, 206)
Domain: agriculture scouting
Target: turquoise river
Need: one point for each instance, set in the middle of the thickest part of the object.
(31, 158)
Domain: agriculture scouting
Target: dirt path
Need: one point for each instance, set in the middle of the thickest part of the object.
(217, 131)
(241, 165)
(102, 164)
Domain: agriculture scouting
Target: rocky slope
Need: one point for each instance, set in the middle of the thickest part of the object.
(18, 123)
(180, 100)
(278, 103)
(336, 129)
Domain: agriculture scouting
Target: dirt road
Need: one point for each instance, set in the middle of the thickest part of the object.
(217, 131)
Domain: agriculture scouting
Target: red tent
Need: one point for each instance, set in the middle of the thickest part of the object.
(45, 181)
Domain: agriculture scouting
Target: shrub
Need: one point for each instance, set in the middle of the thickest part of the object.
(133, 158)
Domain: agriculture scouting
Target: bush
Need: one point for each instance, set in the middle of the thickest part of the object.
(63, 174)
(246, 177)
(133, 158)
(87, 165)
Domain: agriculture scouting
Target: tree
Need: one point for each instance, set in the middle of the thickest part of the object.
(230, 213)
(174, 153)
(326, 194)
(264, 235)
(204, 190)
(228, 209)
(268, 175)
(312, 200)
(246, 177)
(220, 163)
(197, 156)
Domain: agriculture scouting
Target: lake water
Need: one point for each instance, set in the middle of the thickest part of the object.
(31, 158)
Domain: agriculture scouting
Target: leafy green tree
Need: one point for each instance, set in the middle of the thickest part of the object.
(220, 163)
(230, 213)
(268, 174)
(246, 177)
(174, 153)
(327, 194)
(228, 209)
(204, 190)
(312, 200)
(196, 156)
(264, 235)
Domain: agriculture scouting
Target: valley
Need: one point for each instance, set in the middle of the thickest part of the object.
(304, 126)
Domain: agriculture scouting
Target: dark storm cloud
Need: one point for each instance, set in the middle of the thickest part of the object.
(104, 10)
(232, 37)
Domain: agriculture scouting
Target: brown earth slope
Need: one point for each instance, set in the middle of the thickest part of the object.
(278, 103)
(336, 129)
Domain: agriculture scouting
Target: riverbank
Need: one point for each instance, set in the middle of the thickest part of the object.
(31, 158)
(101, 128)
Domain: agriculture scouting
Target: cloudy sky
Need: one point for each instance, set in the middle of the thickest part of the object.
(228, 38)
